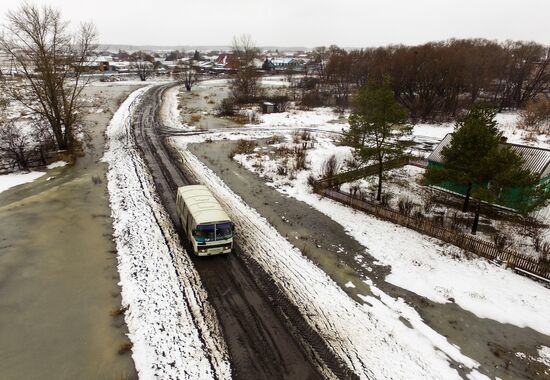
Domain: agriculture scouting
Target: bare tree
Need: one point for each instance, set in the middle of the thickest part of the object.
(245, 85)
(51, 60)
(143, 64)
(189, 78)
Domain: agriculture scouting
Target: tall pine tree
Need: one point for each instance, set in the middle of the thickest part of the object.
(376, 127)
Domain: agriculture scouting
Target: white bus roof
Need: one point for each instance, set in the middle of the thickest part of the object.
(202, 205)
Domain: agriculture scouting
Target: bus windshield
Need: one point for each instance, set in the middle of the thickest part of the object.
(213, 232)
(223, 231)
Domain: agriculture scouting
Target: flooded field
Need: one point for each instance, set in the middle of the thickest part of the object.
(58, 279)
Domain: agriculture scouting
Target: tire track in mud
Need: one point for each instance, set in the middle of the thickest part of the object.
(265, 334)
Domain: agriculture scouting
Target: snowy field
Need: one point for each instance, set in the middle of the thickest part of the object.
(173, 328)
(427, 267)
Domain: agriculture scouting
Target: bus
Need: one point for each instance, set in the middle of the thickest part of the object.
(204, 221)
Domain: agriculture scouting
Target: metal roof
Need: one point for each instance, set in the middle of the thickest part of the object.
(537, 160)
(202, 205)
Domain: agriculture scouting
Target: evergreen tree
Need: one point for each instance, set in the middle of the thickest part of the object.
(476, 158)
(376, 126)
(473, 139)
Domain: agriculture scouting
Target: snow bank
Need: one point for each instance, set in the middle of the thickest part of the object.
(8, 181)
(170, 112)
(173, 329)
(57, 164)
(433, 130)
(544, 355)
(371, 337)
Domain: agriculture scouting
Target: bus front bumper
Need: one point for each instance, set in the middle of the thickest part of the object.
(210, 251)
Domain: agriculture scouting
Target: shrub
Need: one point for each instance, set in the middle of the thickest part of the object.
(226, 108)
(243, 147)
(428, 205)
(305, 135)
(352, 163)
(195, 118)
(311, 181)
(275, 139)
(405, 206)
(385, 199)
(308, 83)
(330, 167)
(500, 241)
(312, 99)
(536, 115)
(300, 158)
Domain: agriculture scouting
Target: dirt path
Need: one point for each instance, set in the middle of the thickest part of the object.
(260, 347)
(58, 276)
(325, 242)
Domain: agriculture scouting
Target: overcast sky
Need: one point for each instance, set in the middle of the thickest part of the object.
(308, 23)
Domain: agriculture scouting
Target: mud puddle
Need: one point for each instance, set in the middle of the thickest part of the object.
(58, 276)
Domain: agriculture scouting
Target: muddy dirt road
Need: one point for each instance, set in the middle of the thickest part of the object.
(260, 345)
(58, 276)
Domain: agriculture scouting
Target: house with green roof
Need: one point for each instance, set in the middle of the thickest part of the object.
(536, 160)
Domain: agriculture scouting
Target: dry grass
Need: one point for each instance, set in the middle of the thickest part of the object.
(195, 118)
(275, 139)
(243, 147)
(119, 311)
(96, 180)
(125, 348)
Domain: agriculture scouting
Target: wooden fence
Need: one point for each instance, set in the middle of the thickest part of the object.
(366, 171)
(428, 227)
(35, 161)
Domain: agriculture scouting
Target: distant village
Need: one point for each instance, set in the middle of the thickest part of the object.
(123, 62)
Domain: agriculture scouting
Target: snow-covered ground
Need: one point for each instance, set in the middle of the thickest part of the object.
(544, 356)
(426, 267)
(173, 328)
(370, 337)
(507, 123)
(8, 181)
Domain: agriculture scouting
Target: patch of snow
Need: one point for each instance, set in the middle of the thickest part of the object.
(349, 284)
(8, 181)
(433, 130)
(172, 326)
(57, 164)
(544, 355)
(170, 112)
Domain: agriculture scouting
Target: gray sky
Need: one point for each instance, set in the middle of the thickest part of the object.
(309, 23)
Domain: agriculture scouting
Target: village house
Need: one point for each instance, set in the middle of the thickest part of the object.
(536, 160)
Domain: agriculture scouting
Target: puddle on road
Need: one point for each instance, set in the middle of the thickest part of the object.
(326, 243)
(58, 276)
